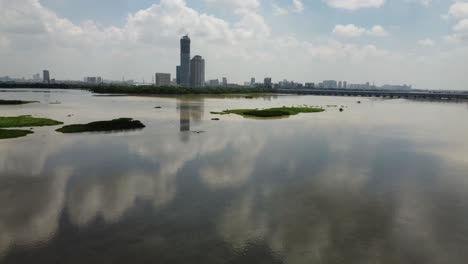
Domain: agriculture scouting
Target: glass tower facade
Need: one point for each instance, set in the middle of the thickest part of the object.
(185, 61)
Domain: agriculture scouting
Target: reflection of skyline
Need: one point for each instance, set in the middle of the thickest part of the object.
(190, 110)
(334, 195)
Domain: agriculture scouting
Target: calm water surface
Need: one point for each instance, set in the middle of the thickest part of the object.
(386, 181)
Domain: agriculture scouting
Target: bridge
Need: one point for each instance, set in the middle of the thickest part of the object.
(431, 95)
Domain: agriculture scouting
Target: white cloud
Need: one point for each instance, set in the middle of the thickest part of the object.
(298, 6)
(352, 31)
(249, 4)
(426, 42)
(378, 31)
(349, 30)
(459, 10)
(355, 4)
(461, 26)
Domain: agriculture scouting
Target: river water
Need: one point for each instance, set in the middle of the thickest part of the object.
(385, 181)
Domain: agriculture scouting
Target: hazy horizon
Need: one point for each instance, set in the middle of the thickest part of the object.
(417, 42)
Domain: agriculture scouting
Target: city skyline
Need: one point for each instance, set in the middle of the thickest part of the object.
(242, 39)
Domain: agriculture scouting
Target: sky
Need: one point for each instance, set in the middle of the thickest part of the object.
(419, 42)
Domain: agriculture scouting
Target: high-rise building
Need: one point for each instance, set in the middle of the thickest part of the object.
(46, 76)
(178, 74)
(340, 84)
(252, 81)
(163, 79)
(37, 77)
(185, 61)
(213, 83)
(267, 82)
(225, 83)
(345, 84)
(197, 71)
(330, 84)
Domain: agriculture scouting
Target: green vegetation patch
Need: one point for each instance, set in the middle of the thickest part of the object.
(272, 112)
(13, 133)
(26, 121)
(16, 102)
(103, 126)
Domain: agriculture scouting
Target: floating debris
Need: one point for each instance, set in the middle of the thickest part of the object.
(215, 119)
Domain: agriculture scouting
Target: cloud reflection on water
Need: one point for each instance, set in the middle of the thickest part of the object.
(303, 189)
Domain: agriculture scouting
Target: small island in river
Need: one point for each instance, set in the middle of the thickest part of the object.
(22, 121)
(103, 126)
(26, 121)
(13, 133)
(271, 112)
(16, 102)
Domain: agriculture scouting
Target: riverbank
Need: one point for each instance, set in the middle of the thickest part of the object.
(142, 89)
(149, 89)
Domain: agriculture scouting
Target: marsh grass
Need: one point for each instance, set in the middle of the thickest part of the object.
(13, 133)
(16, 102)
(103, 126)
(26, 121)
(272, 112)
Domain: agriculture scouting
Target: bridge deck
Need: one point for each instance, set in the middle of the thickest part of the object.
(380, 93)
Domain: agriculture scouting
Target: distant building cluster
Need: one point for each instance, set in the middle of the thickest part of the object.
(191, 73)
(93, 80)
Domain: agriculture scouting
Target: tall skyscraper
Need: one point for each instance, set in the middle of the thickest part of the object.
(252, 81)
(185, 61)
(340, 84)
(46, 76)
(267, 82)
(345, 84)
(225, 81)
(197, 74)
(163, 79)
